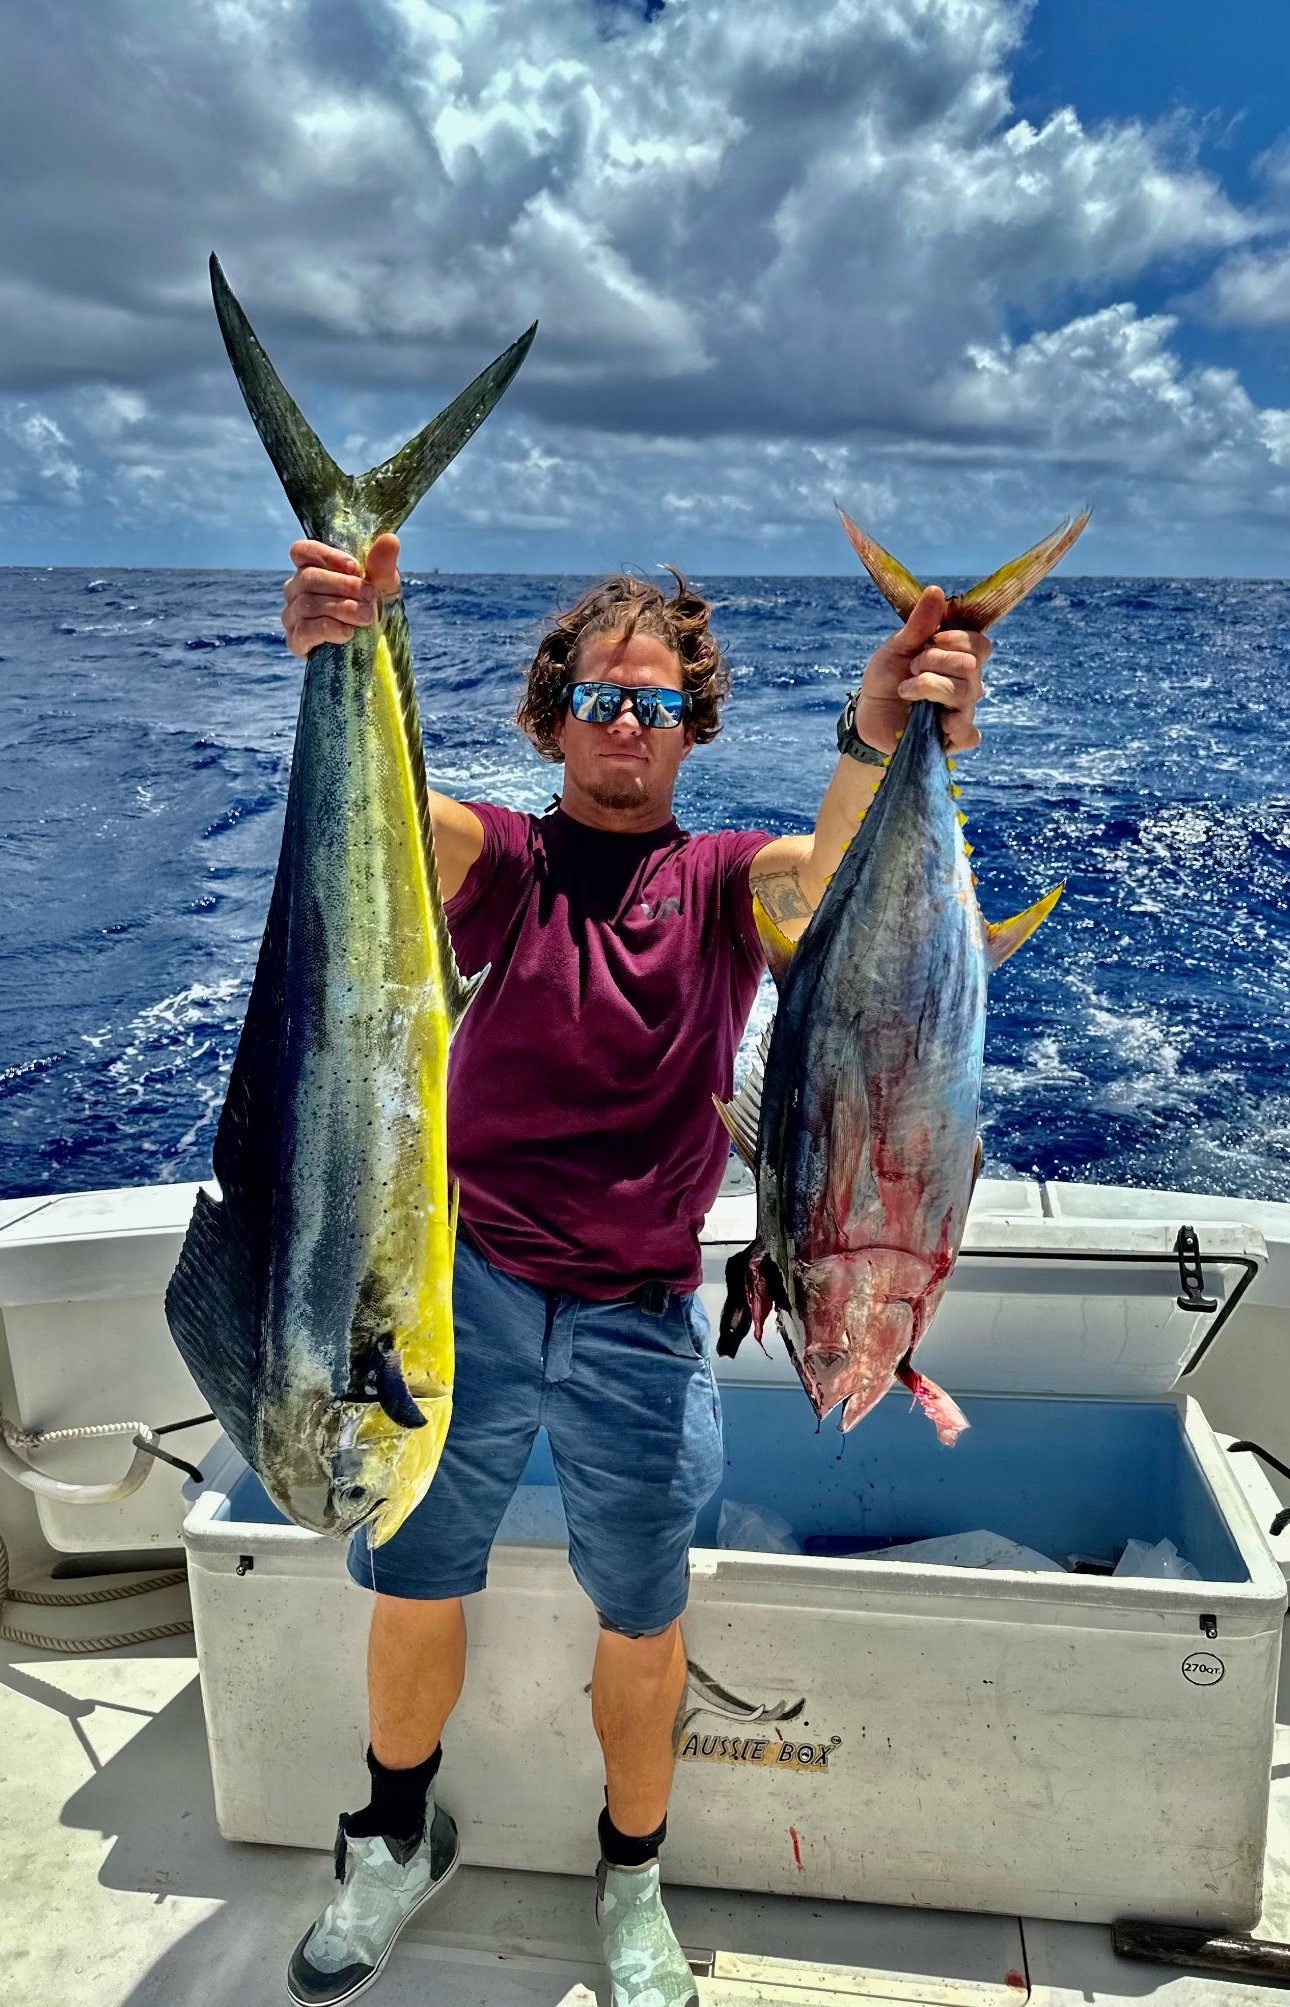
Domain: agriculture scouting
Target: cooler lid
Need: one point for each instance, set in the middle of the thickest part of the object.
(1091, 1307)
(1084, 1307)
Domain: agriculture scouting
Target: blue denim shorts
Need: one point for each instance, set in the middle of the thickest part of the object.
(629, 1402)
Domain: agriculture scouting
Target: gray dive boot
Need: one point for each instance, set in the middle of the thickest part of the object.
(646, 1964)
(382, 1885)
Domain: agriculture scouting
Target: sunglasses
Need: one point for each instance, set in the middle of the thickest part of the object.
(656, 708)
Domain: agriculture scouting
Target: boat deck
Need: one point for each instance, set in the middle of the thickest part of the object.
(120, 1892)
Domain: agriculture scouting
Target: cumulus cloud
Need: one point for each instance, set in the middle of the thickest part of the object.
(1251, 291)
(774, 252)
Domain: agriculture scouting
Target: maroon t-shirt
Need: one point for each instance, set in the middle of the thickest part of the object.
(580, 1117)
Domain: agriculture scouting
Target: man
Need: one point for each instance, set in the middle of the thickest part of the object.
(624, 962)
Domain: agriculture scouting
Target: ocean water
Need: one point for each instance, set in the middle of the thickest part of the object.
(1135, 746)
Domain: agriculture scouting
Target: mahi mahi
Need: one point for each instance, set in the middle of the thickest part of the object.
(859, 1115)
(313, 1298)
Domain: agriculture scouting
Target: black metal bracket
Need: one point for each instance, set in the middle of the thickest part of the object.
(164, 1456)
(1282, 1519)
(1191, 1275)
(177, 1462)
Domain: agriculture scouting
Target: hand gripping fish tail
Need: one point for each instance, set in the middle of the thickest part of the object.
(312, 1301)
(859, 1114)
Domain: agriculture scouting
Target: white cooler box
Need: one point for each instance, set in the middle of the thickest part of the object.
(1050, 1744)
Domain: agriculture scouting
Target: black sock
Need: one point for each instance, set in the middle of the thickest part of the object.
(625, 1850)
(398, 1807)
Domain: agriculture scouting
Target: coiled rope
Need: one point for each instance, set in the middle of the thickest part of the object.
(14, 1442)
(38, 1641)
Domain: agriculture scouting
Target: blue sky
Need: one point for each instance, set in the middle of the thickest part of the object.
(963, 264)
(1223, 70)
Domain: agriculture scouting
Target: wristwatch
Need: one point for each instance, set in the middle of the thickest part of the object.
(850, 742)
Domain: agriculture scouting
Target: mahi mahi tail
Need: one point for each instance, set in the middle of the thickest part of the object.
(330, 504)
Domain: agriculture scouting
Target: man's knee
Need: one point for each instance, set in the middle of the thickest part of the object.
(614, 1630)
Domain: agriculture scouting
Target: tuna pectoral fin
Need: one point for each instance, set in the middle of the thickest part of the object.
(945, 1415)
(385, 1383)
(989, 599)
(328, 501)
(1004, 937)
(752, 1283)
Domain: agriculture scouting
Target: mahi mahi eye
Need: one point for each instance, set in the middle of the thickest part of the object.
(355, 1494)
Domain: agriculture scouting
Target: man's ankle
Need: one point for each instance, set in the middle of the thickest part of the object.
(397, 1809)
(628, 1850)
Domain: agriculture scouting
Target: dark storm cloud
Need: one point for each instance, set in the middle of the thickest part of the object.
(769, 248)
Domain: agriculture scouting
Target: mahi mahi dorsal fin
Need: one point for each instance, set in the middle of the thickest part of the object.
(742, 1114)
(985, 602)
(775, 944)
(216, 1296)
(1004, 937)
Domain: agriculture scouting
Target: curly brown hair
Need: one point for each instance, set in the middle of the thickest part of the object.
(624, 606)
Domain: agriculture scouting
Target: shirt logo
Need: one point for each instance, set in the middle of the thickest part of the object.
(656, 911)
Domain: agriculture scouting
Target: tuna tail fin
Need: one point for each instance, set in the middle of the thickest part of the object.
(992, 597)
(898, 587)
(985, 602)
(332, 505)
(1004, 937)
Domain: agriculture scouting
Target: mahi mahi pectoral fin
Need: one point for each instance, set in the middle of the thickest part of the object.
(775, 944)
(464, 990)
(384, 1382)
(323, 496)
(741, 1115)
(454, 1207)
(1004, 937)
(985, 602)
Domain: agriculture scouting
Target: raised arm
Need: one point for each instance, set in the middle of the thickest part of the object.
(790, 874)
(325, 599)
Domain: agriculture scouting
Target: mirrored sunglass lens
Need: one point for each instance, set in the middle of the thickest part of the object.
(658, 707)
(594, 703)
(601, 703)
